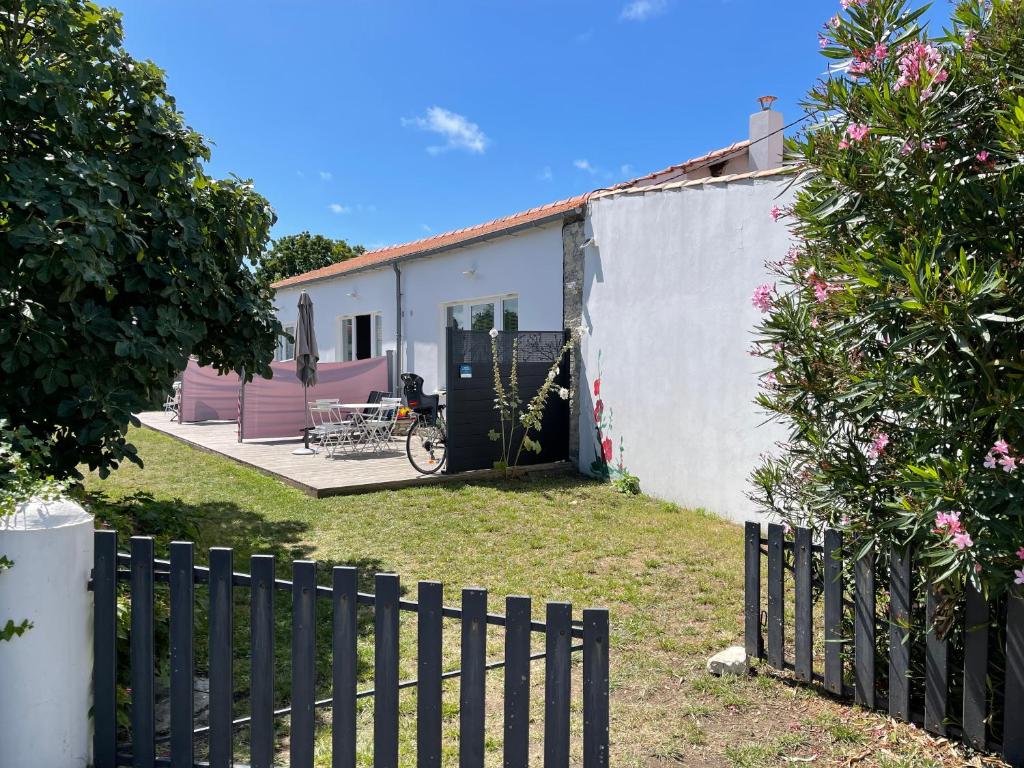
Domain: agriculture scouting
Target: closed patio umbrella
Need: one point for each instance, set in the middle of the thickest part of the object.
(306, 358)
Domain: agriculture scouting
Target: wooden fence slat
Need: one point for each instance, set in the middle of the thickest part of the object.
(864, 630)
(753, 641)
(104, 588)
(595, 688)
(261, 675)
(899, 631)
(833, 597)
(221, 678)
(345, 633)
(472, 682)
(803, 606)
(517, 682)
(142, 661)
(975, 667)
(1013, 707)
(428, 690)
(936, 672)
(558, 643)
(303, 725)
(776, 596)
(385, 687)
(182, 630)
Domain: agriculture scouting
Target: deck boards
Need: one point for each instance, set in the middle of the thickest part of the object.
(319, 475)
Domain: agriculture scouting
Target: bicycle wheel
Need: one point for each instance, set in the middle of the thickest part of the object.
(427, 446)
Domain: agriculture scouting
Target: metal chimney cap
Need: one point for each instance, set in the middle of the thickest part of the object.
(766, 102)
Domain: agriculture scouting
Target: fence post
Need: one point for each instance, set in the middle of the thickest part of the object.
(776, 596)
(472, 683)
(803, 606)
(833, 588)
(595, 688)
(47, 672)
(864, 630)
(517, 682)
(752, 589)
(558, 647)
(182, 653)
(385, 671)
(1013, 707)
(429, 634)
(143, 673)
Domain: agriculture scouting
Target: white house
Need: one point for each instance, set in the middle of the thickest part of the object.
(659, 268)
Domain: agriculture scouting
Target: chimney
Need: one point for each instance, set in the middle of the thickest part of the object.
(765, 151)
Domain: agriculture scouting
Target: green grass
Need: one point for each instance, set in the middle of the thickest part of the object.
(672, 580)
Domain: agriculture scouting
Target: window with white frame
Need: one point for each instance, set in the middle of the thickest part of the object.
(360, 336)
(501, 312)
(286, 348)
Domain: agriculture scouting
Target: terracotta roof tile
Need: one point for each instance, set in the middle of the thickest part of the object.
(394, 253)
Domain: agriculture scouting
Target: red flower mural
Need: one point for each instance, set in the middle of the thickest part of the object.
(597, 387)
(598, 410)
(606, 448)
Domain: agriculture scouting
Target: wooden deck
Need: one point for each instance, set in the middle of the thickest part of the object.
(317, 475)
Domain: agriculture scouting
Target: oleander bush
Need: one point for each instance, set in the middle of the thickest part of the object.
(894, 331)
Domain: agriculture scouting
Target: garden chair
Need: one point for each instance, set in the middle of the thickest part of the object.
(381, 425)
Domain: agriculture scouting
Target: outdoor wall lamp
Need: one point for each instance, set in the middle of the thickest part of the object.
(766, 102)
(587, 243)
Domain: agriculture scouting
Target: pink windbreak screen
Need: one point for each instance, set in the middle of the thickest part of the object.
(275, 407)
(206, 395)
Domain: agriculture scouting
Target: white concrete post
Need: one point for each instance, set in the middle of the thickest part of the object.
(46, 674)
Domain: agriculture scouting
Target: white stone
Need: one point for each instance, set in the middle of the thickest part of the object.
(46, 674)
(731, 661)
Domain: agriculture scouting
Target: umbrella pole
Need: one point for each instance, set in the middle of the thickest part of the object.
(305, 450)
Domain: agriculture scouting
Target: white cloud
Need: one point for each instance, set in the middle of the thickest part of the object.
(457, 130)
(339, 208)
(626, 169)
(584, 165)
(326, 175)
(427, 228)
(642, 10)
(545, 173)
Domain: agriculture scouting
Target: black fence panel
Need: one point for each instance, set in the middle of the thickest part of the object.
(886, 648)
(471, 414)
(289, 734)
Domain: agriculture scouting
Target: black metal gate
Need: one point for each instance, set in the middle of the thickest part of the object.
(188, 604)
(471, 414)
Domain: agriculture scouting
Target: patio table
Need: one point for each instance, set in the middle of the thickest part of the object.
(357, 418)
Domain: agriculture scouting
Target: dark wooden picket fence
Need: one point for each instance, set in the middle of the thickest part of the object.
(989, 685)
(144, 747)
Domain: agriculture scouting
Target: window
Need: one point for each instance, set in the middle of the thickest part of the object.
(360, 336)
(482, 314)
(285, 348)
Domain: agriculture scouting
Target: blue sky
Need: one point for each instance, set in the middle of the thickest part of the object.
(382, 122)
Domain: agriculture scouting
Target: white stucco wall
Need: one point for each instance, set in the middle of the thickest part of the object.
(667, 298)
(374, 292)
(527, 263)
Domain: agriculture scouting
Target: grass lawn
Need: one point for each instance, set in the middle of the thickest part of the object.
(672, 580)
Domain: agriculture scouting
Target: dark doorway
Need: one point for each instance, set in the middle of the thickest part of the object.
(363, 348)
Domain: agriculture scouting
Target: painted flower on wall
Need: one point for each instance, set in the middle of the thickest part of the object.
(606, 449)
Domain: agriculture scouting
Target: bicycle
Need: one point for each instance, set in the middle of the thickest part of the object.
(426, 444)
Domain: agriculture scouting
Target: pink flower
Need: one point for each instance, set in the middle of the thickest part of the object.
(878, 445)
(917, 59)
(777, 213)
(814, 322)
(990, 461)
(969, 39)
(1020, 576)
(962, 540)
(982, 157)
(947, 522)
(848, 3)
(857, 131)
(1001, 446)
(1008, 463)
(786, 528)
(1020, 553)
(823, 42)
(880, 52)
(763, 297)
(844, 144)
